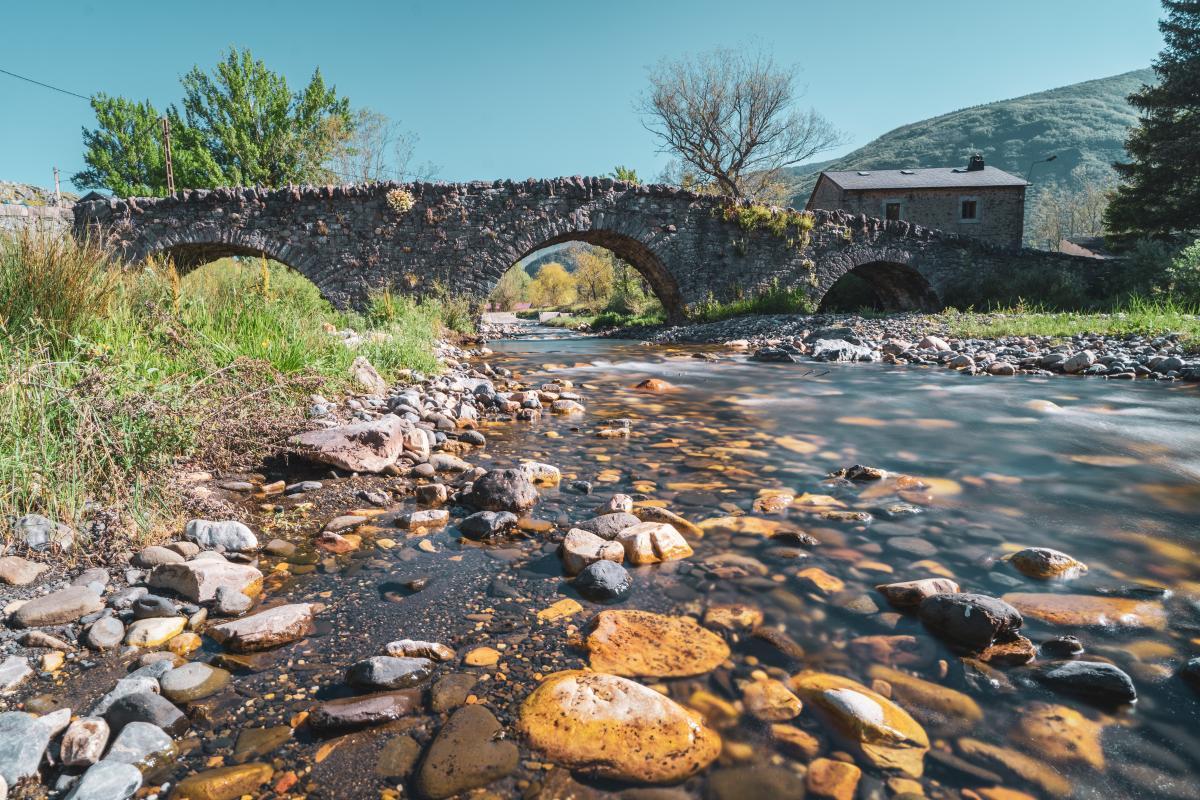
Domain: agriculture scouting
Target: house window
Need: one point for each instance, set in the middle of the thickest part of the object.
(968, 209)
(891, 209)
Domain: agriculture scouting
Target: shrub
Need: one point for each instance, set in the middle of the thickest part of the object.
(776, 299)
(401, 201)
(1183, 276)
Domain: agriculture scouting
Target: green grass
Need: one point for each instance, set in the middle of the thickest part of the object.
(112, 378)
(607, 320)
(774, 300)
(1137, 316)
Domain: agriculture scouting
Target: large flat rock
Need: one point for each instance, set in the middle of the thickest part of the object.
(361, 447)
(266, 629)
(58, 608)
(199, 580)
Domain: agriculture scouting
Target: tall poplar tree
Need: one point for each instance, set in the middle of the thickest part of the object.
(1159, 194)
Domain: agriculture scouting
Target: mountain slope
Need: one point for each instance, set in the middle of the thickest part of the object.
(1084, 124)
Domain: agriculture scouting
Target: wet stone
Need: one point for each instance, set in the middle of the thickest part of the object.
(1045, 563)
(416, 648)
(398, 757)
(608, 526)
(193, 681)
(1062, 647)
(260, 742)
(467, 753)
(643, 644)
(229, 602)
(603, 581)
(154, 631)
(224, 783)
(610, 727)
(389, 672)
(912, 546)
(152, 605)
(972, 621)
(131, 684)
(487, 524)
(770, 701)
(451, 691)
(198, 580)
(266, 629)
(141, 744)
(832, 780)
(108, 780)
(736, 783)
(364, 710)
(1060, 734)
(502, 490)
(146, 707)
(1089, 611)
(1097, 681)
(910, 594)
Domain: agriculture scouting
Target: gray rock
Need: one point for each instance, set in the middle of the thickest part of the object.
(146, 707)
(141, 744)
(360, 447)
(105, 634)
(389, 672)
(608, 526)
(193, 681)
(22, 743)
(17, 571)
(57, 608)
(502, 490)
(95, 579)
(149, 557)
(108, 780)
(39, 533)
(840, 350)
(487, 524)
(56, 721)
(227, 535)
(150, 606)
(84, 742)
(131, 684)
(125, 598)
(1098, 681)
(469, 752)
(1079, 362)
(603, 580)
(14, 671)
(230, 602)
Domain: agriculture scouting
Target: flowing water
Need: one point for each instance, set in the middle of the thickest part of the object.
(1109, 473)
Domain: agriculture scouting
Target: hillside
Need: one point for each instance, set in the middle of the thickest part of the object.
(1084, 124)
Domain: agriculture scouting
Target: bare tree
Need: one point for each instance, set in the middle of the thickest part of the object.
(375, 148)
(729, 115)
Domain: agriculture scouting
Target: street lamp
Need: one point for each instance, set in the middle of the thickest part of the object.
(1045, 160)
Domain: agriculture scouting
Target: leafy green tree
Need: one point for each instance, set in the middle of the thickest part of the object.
(1160, 190)
(624, 173)
(258, 130)
(124, 154)
(1184, 274)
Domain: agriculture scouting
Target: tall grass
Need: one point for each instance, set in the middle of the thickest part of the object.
(775, 299)
(111, 377)
(1136, 316)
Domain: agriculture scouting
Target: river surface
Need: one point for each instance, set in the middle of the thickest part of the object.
(1109, 473)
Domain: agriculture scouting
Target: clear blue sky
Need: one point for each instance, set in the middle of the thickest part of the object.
(498, 88)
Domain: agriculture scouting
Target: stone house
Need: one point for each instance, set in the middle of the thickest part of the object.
(976, 200)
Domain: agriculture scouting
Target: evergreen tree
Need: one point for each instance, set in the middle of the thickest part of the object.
(1159, 193)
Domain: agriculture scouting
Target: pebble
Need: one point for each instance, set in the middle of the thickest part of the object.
(416, 648)
(487, 524)
(265, 629)
(832, 780)
(770, 701)
(1045, 563)
(146, 707)
(105, 633)
(108, 780)
(131, 684)
(141, 744)
(603, 581)
(149, 557)
(468, 752)
(608, 526)
(502, 490)
(451, 691)
(230, 602)
(84, 742)
(581, 548)
(653, 542)
(388, 672)
(193, 681)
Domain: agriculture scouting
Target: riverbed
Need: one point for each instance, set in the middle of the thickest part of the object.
(976, 470)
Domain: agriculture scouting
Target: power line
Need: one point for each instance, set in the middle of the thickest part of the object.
(45, 85)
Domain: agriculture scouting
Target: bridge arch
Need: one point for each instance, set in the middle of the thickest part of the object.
(882, 281)
(627, 246)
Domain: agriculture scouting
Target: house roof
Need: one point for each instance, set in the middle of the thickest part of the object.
(926, 178)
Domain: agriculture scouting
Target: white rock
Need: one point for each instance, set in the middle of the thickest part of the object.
(228, 535)
(199, 579)
(14, 671)
(541, 474)
(651, 542)
(581, 548)
(84, 742)
(1079, 362)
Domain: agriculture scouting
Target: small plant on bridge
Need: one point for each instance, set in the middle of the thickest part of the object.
(786, 223)
(401, 201)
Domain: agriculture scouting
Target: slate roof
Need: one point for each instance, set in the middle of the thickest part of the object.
(926, 178)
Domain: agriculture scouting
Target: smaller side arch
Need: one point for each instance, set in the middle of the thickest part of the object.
(884, 285)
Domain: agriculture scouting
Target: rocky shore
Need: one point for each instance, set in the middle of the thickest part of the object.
(236, 659)
(919, 339)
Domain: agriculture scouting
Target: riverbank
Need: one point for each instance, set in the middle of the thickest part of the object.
(402, 605)
(1152, 346)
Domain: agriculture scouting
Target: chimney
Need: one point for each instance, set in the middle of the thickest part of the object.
(975, 164)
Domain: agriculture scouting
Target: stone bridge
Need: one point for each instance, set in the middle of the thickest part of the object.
(462, 237)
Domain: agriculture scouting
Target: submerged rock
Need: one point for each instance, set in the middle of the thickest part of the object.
(242, 780)
(1044, 563)
(467, 753)
(652, 542)
(937, 707)
(610, 727)
(875, 727)
(643, 644)
(1089, 611)
(369, 709)
(1097, 681)
(193, 681)
(1059, 734)
(487, 524)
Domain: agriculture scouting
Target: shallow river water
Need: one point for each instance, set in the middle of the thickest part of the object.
(1108, 473)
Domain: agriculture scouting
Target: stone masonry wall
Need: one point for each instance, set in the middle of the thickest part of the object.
(461, 238)
(51, 220)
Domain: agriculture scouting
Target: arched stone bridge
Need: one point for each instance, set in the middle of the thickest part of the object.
(349, 240)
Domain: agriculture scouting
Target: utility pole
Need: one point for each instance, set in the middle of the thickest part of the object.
(166, 134)
(57, 190)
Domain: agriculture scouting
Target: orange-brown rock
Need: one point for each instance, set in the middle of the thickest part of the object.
(878, 730)
(656, 385)
(909, 594)
(1089, 611)
(733, 617)
(832, 780)
(611, 727)
(642, 644)
(939, 708)
(770, 701)
(1060, 734)
(819, 581)
(1011, 762)
(1045, 563)
(898, 650)
(798, 743)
